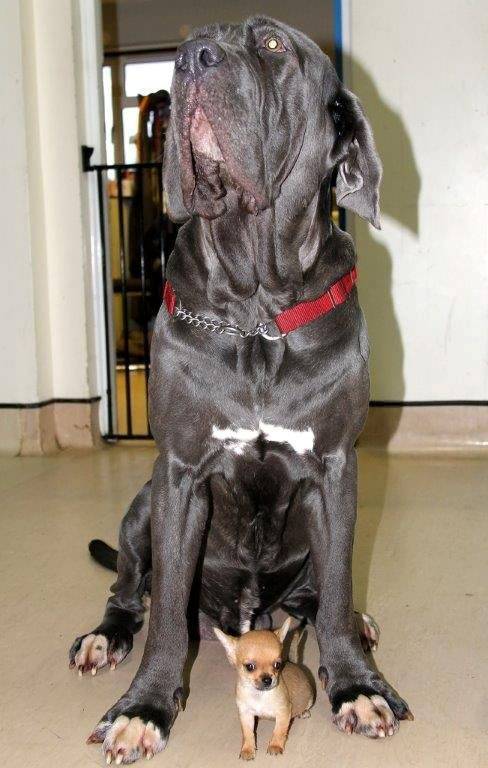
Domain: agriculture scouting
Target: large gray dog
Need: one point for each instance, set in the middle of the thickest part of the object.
(259, 383)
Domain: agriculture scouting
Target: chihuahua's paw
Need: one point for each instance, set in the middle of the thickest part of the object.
(369, 631)
(275, 749)
(361, 709)
(127, 739)
(91, 652)
(247, 753)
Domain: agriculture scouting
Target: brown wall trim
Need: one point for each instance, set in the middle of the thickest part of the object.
(423, 403)
(423, 426)
(53, 401)
(31, 430)
(373, 403)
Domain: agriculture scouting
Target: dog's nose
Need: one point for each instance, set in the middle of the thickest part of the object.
(197, 56)
(266, 680)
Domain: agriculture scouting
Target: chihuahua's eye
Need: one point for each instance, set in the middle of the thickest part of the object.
(274, 44)
(250, 667)
(277, 665)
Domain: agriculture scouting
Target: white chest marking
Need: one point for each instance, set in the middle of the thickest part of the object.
(301, 440)
(235, 439)
(258, 703)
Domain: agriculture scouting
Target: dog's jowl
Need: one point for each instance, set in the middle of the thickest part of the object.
(259, 384)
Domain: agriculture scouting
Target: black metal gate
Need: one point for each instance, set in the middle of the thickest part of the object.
(135, 236)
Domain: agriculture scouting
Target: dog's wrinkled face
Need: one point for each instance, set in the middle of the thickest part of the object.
(256, 655)
(236, 93)
(252, 106)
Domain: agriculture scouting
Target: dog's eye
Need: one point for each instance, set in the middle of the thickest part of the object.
(274, 44)
(277, 665)
(250, 667)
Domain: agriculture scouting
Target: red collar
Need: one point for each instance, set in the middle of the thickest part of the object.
(289, 320)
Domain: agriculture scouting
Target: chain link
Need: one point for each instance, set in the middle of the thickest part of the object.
(219, 327)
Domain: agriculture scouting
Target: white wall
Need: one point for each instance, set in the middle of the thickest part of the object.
(18, 378)
(47, 338)
(421, 71)
(56, 182)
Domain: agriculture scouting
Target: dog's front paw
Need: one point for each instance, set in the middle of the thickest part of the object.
(247, 753)
(128, 738)
(91, 652)
(361, 709)
(370, 716)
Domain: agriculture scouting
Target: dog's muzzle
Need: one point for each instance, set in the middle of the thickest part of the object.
(195, 57)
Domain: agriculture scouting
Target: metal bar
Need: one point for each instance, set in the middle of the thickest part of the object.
(122, 166)
(87, 152)
(125, 311)
(142, 255)
(108, 362)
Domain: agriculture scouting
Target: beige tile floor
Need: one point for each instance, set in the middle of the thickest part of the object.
(420, 569)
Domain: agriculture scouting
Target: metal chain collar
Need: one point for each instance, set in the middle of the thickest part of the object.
(219, 327)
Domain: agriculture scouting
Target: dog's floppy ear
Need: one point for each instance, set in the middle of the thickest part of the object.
(172, 180)
(229, 644)
(282, 632)
(357, 162)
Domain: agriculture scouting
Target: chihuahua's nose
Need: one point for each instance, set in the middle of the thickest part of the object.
(266, 680)
(196, 56)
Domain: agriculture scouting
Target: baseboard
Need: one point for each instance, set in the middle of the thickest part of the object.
(34, 429)
(414, 427)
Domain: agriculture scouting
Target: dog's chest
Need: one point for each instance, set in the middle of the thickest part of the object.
(260, 703)
(237, 439)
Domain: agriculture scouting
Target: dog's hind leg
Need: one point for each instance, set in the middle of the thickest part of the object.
(110, 642)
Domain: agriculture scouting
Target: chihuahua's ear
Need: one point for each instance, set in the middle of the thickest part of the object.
(229, 644)
(282, 632)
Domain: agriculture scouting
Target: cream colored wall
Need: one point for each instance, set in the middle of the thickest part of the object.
(18, 378)
(46, 314)
(421, 71)
(54, 141)
(50, 309)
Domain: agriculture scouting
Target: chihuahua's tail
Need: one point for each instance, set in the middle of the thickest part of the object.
(103, 554)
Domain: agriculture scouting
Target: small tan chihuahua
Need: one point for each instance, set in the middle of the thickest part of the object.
(267, 686)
